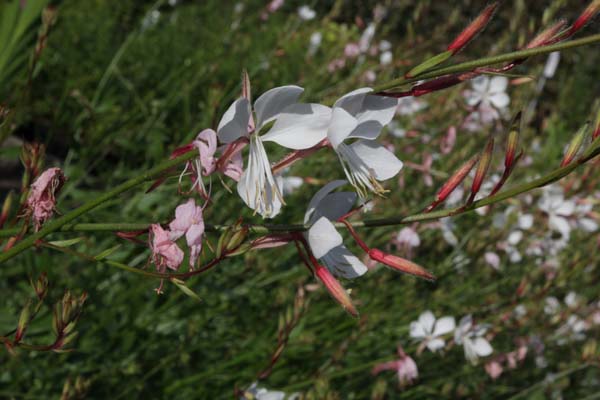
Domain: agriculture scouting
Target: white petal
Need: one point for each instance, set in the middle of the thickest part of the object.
(560, 224)
(323, 237)
(377, 108)
(300, 126)
(416, 330)
(498, 84)
(588, 224)
(352, 102)
(565, 208)
(341, 262)
(426, 319)
(273, 101)
(234, 123)
(444, 325)
(320, 195)
(482, 347)
(334, 205)
(499, 100)
(382, 162)
(480, 84)
(436, 344)
(472, 97)
(340, 127)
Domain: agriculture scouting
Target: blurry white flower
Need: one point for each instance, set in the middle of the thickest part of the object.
(396, 130)
(407, 237)
(489, 96)
(428, 330)
(572, 300)
(471, 337)
(366, 37)
(551, 305)
(289, 184)
(558, 209)
(256, 393)
(306, 13)
(315, 42)
(520, 310)
(351, 50)
(447, 227)
(386, 58)
(492, 259)
(410, 105)
(551, 64)
(573, 330)
(384, 45)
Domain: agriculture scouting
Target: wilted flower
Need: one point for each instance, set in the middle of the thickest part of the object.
(165, 252)
(429, 331)
(189, 222)
(471, 337)
(41, 201)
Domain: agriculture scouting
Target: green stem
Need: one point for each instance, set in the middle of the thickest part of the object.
(264, 229)
(482, 62)
(58, 223)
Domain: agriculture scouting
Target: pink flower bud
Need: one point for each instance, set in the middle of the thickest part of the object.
(335, 289)
(585, 17)
(482, 169)
(548, 35)
(473, 29)
(400, 264)
(452, 183)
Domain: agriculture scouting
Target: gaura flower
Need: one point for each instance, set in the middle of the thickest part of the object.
(189, 222)
(471, 337)
(429, 331)
(297, 126)
(165, 253)
(405, 368)
(361, 116)
(257, 393)
(41, 201)
(489, 95)
(324, 240)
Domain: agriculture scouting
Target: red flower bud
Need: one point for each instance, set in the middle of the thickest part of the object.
(473, 29)
(585, 17)
(547, 35)
(482, 169)
(400, 264)
(335, 289)
(575, 145)
(453, 182)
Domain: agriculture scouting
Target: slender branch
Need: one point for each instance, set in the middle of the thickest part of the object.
(553, 176)
(482, 62)
(58, 223)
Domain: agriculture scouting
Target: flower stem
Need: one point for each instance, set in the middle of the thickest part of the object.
(481, 62)
(58, 223)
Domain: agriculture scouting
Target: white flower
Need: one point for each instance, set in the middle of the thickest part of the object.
(408, 237)
(428, 330)
(410, 105)
(572, 300)
(315, 42)
(306, 13)
(471, 337)
(489, 95)
(558, 209)
(256, 393)
(492, 259)
(297, 126)
(289, 184)
(324, 240)
(551, 305)
(366, 37)
(551, 64)
(386, 58)
(360, 115)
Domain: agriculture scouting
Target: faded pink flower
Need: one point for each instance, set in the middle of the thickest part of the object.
(493, 369)
(206, 143)
(405, 367)
(234, 167)
(189, 222)
(165, 253)
(41, 201)
(351, 50)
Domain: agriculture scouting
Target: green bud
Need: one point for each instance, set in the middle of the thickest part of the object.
(23, 322)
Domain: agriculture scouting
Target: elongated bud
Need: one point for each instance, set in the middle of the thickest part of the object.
(400, 264)
(512, 142)
(575, 145)
(23, 322)
(41, 286)
(473, 28)
(547, 35)
(451, 184)
(223, 241)
(6, 206)
(585, 17)
(440, 83)
(335, 289)
(246, 89)
(482, 169)
(241, 249)
(428, 64)
(596, 131)
(237, 239)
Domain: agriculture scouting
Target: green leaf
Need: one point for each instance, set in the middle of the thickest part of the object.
(182, 286)
(67, 243)
(107, 252)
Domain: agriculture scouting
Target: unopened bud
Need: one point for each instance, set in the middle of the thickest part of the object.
(428, 64)
(585, 16)
(482, 169)
(575, 145)
(452, 183)
(596, 131)
(6, 206)
(473, 28)
(23, 322)
(57, 324)
(68, 339)
(246, 89)
(241, 249)
(547, 35)
(335, 289)
(237, 239)
(223, 241)
(512, 142)
(41, 286)
(400, 264)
